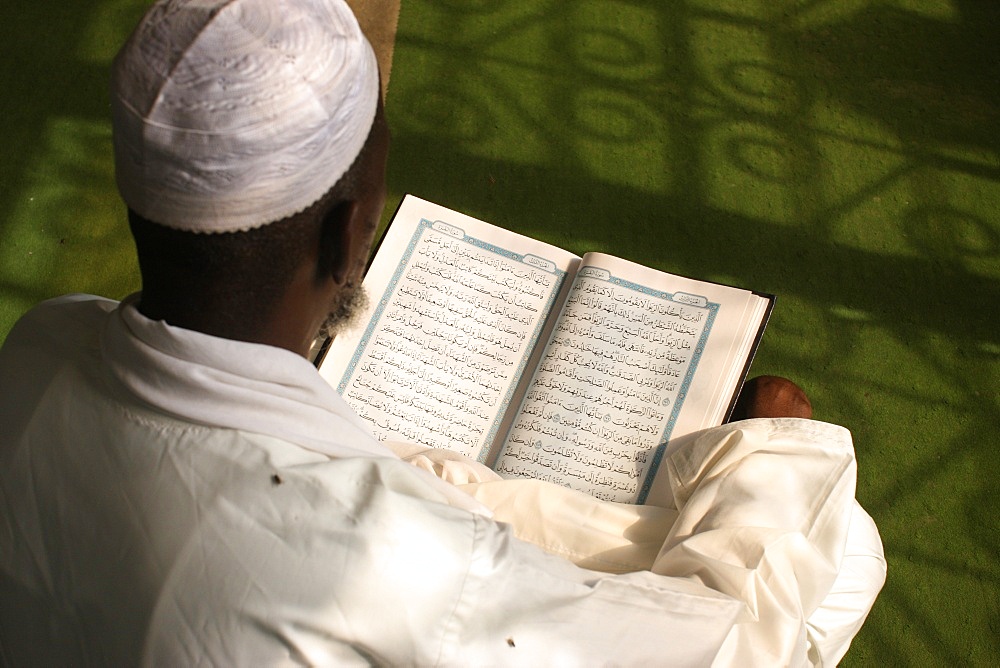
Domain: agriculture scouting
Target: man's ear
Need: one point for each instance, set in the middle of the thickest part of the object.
(337, 241)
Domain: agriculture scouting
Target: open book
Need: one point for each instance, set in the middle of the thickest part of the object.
(535, 361)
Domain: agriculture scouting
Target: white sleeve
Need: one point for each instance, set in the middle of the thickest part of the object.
(840, 616)
(363, 561)
(524, 606)
(764, 515)
(763, 512)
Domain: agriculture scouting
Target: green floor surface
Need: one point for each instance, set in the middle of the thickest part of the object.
(844, 155)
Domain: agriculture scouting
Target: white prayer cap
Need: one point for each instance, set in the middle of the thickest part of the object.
(230, 114)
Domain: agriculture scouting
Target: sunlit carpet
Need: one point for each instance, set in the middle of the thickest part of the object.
(844, 155)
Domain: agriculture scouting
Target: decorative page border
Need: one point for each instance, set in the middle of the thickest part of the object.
(688, 300)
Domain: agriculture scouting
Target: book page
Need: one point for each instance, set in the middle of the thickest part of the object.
(457, 307)
(636, 357)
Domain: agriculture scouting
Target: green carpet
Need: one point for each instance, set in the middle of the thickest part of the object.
(842, 154)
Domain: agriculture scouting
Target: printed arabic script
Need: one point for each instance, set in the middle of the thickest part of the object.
(607, 384)
(447, 344)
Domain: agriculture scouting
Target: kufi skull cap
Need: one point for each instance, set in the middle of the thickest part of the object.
(231, 114)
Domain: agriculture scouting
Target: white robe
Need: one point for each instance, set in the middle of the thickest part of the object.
(170, 497)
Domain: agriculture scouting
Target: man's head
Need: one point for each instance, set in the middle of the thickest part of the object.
(250, 149)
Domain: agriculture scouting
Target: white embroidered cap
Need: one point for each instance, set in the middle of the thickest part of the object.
(231, 114)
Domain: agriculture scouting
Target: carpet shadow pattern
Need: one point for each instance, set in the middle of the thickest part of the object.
(62, 225)
(839, 154)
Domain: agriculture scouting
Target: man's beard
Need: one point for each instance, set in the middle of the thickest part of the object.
(345, 311)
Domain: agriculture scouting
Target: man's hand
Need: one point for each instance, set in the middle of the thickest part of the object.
(771, 397)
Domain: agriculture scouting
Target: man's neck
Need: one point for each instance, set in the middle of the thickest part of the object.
(289, 320)
(208, 316)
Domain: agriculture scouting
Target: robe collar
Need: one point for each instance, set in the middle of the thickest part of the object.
(230, 384)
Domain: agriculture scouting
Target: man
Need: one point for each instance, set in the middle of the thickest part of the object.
(180, 486)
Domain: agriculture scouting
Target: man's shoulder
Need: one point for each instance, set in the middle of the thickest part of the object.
(75, 307)
(60, 321)
(55, 333)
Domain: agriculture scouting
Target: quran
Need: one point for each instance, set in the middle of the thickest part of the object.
(535, 361)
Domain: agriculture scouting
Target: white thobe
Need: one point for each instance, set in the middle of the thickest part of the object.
(170, 497)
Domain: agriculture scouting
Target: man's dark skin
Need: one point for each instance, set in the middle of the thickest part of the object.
(771, 397)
